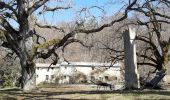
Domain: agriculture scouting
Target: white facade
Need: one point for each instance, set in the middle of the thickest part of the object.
(44, 73)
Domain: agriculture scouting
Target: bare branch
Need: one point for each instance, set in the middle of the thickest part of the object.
(167, 1)
(150, 64)
(4, 5)
(37, 5)
(106, 47)
(4, 23)
(68, 42)
(155, 49)
(46, 8)
(109, 24)
(116, 58)
(147, 41)
(149, 58)
(55, 46)
(49, 26)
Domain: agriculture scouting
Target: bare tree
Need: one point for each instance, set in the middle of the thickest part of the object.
(153, 18)
(21, 41)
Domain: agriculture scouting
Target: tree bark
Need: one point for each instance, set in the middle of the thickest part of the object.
(28, 81)
(131, 72)
(25, 45)
(28, 74)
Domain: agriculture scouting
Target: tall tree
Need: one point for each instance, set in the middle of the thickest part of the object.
(151, 20)
(20, 40)
(152, 16)
(25, 42)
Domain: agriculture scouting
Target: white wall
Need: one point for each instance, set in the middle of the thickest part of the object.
(41, 73)
(85, 70)
(113, 71)
(65, 70)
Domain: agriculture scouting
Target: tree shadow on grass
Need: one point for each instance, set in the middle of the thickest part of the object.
(69, 99)
(10, 89)
(48, 94)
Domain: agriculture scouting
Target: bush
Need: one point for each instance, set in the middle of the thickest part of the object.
(80, 78)
(7, 81)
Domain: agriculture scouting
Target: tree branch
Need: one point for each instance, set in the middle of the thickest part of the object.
(73, 41)
(153, 46)
(109, 24)
(149, 58)
(10, 30)
(4, 5)
(37, 5)
(46, 8)
(49, 26)
(144, 63)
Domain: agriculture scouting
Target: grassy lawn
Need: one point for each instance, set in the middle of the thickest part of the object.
(84, 92)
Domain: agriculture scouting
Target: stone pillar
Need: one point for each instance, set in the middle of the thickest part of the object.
(131, 72)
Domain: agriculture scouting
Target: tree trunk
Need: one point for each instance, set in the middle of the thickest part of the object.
(27, 65)
(26, 60)
(28, 78)
(131, 72)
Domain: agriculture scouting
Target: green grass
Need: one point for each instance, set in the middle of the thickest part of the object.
(83, 92)
(7, 97)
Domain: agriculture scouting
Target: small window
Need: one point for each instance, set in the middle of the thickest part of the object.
(38, 68)
(64, 77)
(37, 76)
(101, 78)
(65, 67)
(92, 68)
(52, 68)
(47, 77)
(106, 77)
(52, 76)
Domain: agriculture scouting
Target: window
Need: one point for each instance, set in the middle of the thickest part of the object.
(106, 77)
(92, 68)
(101, 78)
(37, 76)
(47, 77)
(52, 76)
(52, 68)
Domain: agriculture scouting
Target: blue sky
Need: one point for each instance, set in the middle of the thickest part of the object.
(71, 14)
(110, 7)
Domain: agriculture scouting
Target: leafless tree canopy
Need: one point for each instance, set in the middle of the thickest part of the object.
(150, 17)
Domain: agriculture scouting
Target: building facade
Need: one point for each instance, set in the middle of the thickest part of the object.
(76, 72)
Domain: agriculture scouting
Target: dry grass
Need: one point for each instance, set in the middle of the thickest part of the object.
(83, 92)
